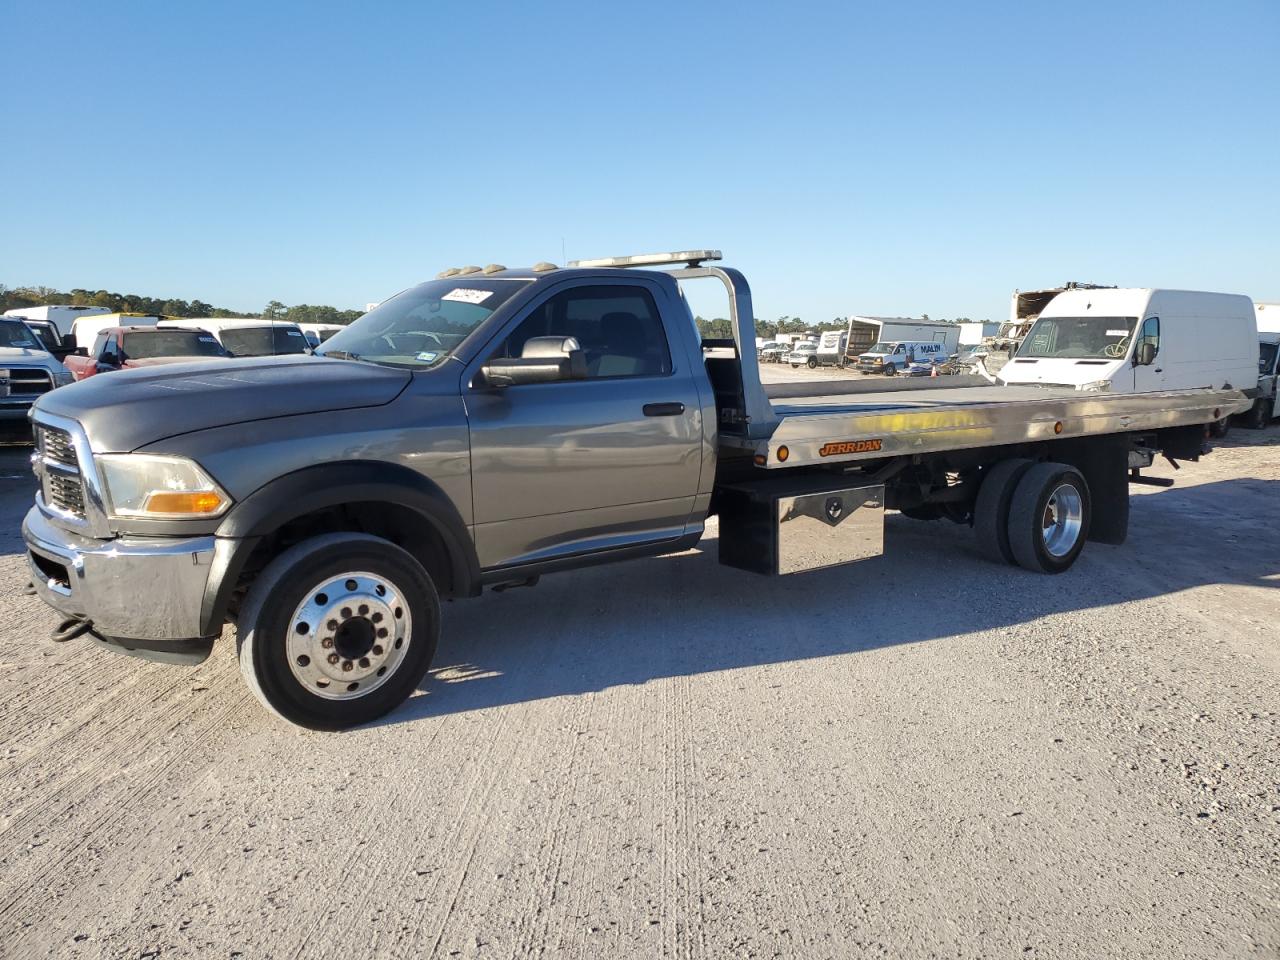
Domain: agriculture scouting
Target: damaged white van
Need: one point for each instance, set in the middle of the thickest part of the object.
(1139, 340)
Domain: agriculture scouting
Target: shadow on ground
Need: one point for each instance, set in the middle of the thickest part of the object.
(685, 614)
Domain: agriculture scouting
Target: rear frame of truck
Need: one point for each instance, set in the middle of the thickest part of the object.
(803, 483)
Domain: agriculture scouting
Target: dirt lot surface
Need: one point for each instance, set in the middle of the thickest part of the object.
(922, 755)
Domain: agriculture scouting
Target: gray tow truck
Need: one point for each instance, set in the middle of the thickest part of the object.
(494, 425)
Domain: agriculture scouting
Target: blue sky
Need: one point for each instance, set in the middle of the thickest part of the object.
(898, 158)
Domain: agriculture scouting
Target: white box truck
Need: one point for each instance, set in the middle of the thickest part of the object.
(1267, 316)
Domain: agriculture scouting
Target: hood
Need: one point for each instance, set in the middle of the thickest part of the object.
(1060, 371)
(130, 408)
(134, 362)
(40, 357)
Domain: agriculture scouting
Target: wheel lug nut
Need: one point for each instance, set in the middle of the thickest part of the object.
(346, 665)
(382, 632)
(377, 618)
(333, 658)
(332, 624)
(364, 608)
(327, 642)
(346, 613)
(364, 663)
(377, 650)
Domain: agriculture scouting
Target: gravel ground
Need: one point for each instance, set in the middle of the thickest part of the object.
(922, 755)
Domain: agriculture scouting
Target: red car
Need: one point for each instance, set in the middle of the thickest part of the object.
(124, 348)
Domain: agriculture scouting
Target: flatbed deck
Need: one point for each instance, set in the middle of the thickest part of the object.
(851, 425)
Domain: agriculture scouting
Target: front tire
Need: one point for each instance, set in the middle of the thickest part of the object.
(338, 631)
(1049, 518)
(812, 363)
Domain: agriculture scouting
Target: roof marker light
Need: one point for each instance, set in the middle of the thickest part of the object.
(494, 268)
(690, 257)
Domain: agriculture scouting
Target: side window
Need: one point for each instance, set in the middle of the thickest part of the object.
(617, 327)
(1150, 333)
(99, 342)
(110, 348)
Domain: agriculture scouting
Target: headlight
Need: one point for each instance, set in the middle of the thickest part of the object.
(1096, 386)
(63, 377)
(159, 488)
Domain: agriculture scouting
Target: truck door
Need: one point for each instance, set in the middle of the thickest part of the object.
(1147, 377)
(580, 465)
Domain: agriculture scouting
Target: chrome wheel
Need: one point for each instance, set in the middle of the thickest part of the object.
(1063, 519)
(349, 635)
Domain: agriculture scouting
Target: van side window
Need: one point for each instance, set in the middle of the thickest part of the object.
(617, 327)
(1150, 334)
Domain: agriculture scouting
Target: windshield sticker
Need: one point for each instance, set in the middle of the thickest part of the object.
(463, 295)
(294, 333)
(1117, 333)
(427, 356)
(206, 338)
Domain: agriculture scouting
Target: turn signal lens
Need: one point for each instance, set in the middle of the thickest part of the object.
(783, 453)
(196, 503)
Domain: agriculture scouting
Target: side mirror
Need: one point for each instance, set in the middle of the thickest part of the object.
(1145, 355)
(543, 360)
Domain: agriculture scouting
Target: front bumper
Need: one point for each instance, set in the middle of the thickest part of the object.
(141, 593)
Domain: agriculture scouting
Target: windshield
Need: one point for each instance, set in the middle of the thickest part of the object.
(422, 326)
(882, 347)
(802, 347)
(1267, 357)
(147, 344)
(48, 336)
(15, 333)
(1079, 338)
(263, 341)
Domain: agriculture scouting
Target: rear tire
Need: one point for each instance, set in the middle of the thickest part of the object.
(1220, 428)
(813, 363)
(338, 630)
(1049, 518)
(991, 509)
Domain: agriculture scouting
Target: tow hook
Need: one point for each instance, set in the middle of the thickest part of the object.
(69, 629)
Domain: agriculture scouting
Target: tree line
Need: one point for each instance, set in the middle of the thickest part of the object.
(15, 297)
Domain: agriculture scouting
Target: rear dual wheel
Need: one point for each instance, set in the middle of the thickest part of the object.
(1033, 515)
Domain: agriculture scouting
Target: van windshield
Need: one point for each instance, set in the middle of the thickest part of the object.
(1079, 338)
(420, 327)
(882, 347)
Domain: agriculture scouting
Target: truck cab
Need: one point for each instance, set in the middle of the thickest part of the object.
(1263, 410)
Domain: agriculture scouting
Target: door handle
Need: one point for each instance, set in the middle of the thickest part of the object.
(663, 409)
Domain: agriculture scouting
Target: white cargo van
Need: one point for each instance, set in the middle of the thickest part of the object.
(865, 332)
(1138, 340)
(85, 329)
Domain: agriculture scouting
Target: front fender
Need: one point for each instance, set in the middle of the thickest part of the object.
(316, 488)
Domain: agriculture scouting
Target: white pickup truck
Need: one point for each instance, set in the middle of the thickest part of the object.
(494, 425)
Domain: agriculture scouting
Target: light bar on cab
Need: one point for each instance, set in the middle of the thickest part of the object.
(690, 257)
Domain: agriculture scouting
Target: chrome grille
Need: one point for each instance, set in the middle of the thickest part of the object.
(59, 469)
(65, 492)
(57, 445)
